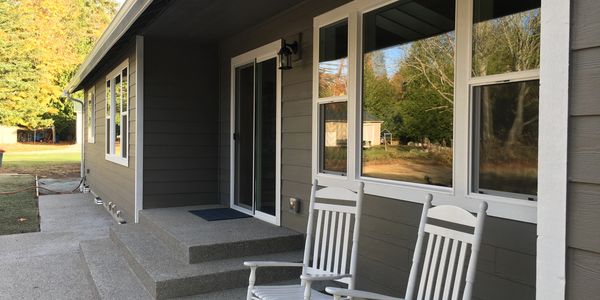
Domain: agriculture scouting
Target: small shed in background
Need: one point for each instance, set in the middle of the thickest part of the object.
(8, 134)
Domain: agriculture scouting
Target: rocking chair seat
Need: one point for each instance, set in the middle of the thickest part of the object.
(286, 292)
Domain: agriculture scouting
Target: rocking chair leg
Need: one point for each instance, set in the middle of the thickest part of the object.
(251, 282)
(307, 290)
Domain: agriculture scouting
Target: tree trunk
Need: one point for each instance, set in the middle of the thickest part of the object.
(516, 131)
(487, 117)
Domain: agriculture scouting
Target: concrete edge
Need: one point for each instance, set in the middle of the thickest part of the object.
(143, 276)
(88, 274)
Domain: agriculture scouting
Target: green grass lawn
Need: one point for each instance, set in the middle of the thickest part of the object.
(18, 212)
(53, 161)
(17, 159)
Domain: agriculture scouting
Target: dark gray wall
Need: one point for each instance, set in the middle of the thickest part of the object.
(507, 261)
(180, 123)
(583, 204)
(110, 181)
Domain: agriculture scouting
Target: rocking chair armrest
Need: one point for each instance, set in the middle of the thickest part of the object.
(323, 277)
(256, 264)
(358, 294)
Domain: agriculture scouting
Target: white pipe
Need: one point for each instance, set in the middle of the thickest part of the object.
(67, 95)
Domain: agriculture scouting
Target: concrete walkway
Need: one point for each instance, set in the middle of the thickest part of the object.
(61, 185)
(47, 264)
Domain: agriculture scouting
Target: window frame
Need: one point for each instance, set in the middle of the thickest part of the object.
(91, 115)
(460, 192)
(110, 138)
(325, 20)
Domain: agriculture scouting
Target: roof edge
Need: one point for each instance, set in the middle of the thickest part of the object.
(126, 16)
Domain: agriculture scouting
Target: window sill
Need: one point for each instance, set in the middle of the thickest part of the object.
(117, 160)
(501, 207)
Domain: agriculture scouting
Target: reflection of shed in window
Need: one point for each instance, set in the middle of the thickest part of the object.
(371, 130)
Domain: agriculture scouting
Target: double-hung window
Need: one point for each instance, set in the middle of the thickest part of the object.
(333, 97)
(117, 104)
(91, 116)
(418, 96)
(504, 86)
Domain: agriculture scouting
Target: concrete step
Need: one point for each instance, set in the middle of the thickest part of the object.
(197, 240)
(165, 276)
(110, 271)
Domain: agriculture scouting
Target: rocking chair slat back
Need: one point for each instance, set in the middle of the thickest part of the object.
(334, 223)
(442, 270)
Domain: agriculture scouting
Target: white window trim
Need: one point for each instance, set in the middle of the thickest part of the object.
(116, 158)
(91, 120)
(459, 194)
(257, 55)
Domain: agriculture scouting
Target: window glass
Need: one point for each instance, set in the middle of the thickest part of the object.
(408, 92)
(91, 116)
(108, 100)
(117, 117)
(125, 90)
(124, 126)
(333, 60)
(507, 138)
(506, 36)
(334, 137)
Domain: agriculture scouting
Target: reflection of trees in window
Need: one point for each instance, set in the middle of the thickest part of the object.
(508, 136)
(506, 40)
(408, 83)
(333, 60)
(333, 78)
(415, 97)
(507, 44)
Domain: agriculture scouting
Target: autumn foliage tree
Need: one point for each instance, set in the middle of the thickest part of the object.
(42, 42)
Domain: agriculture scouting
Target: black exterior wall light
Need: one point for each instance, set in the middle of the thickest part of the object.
(286, 54)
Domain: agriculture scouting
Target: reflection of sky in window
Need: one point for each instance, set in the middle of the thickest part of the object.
(393, 56)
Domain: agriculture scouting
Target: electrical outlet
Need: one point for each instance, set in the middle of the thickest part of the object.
(295, 205)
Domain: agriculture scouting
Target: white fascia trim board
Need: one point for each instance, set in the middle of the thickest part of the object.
(552, 155)
(139, 126)
(127, 15)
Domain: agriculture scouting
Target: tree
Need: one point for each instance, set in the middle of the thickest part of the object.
(507, 44)
(42, 42)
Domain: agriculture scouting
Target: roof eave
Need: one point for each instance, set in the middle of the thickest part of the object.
(127, 15)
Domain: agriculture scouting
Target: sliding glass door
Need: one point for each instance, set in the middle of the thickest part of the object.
(256, 134)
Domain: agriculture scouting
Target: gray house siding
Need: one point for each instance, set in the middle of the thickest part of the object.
(583, 204)
(111, 181)
(180, 123)
(507, 261)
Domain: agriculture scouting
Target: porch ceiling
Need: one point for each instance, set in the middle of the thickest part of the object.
(210, 20)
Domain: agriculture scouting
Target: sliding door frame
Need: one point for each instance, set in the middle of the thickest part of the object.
(258, 55)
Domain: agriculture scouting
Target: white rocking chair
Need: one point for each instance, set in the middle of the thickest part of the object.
(330, 251)
(441, 275)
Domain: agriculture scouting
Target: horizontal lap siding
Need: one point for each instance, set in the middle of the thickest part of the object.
(583, 201)
(180, 124)
(111, 181)
(389, 228)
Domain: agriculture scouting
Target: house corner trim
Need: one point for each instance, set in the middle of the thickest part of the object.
(553, 142)
(139, 127)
